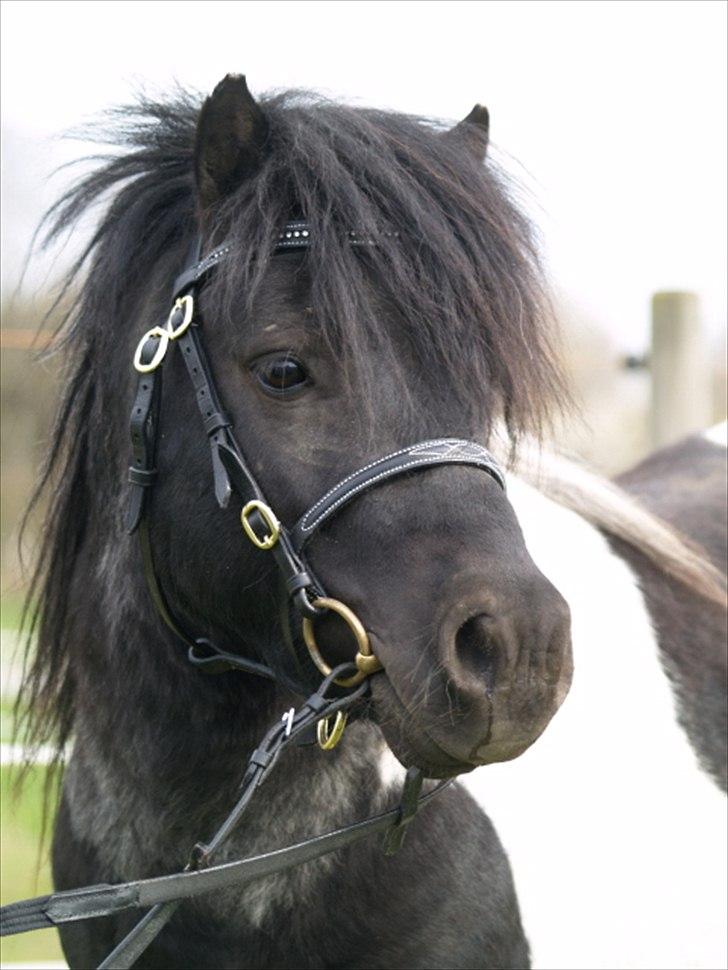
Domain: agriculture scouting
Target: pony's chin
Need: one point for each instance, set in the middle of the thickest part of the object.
(411, 746)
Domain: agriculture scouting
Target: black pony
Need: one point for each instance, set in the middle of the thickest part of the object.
(326, 359)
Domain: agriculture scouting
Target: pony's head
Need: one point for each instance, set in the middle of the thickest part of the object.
(327, 359)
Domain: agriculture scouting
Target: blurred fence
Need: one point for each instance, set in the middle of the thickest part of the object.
(629, 406)
(28, 386)
(682, 392)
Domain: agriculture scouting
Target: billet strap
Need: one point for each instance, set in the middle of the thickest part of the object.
(143, 427)
(439, 451)
(216, 423)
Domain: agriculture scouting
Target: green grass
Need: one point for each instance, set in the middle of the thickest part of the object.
(24, 863)
(24, 867)
(11, 609)
(6, 720)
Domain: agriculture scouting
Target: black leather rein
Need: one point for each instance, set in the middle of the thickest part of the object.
(165, 893)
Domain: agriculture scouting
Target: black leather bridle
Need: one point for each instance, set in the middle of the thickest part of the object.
(283, 664)
(231, 473)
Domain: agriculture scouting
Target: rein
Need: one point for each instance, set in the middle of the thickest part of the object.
(165, 893)
(284, 664)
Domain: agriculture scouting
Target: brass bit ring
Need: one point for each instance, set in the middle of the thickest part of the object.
(367, 663)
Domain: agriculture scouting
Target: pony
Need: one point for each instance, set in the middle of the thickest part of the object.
(438, 325)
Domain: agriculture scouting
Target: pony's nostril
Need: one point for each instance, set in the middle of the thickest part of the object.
(475, 649)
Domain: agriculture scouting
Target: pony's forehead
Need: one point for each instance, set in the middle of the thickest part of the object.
(463, 282)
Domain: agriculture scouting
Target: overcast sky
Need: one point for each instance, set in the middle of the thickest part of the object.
(613, 113)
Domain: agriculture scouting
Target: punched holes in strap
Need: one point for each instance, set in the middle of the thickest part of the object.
(229, 467)
(143, 477)
(143, 427)
(215, 421)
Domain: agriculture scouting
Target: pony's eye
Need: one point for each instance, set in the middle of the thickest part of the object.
(281, 374)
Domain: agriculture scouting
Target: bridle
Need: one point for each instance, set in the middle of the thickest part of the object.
(283, 663)
(231, 473)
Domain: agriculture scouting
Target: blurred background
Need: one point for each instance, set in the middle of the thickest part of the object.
(611, 116)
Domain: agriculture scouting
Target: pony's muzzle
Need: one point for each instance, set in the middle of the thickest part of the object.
(506, 667)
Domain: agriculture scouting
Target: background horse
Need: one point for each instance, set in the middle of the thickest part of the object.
(615, 822)
(437, 326)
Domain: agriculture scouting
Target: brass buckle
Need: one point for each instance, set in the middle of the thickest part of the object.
(328, 737)
(268, 516)
(188, 305)
(367, 663)
(164, 335)
(156, 333)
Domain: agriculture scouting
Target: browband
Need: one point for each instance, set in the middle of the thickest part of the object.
(295, 235)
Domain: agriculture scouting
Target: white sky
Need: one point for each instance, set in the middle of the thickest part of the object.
(615, 110)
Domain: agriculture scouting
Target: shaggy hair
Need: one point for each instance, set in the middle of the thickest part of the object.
(454, 262)
(454, 259)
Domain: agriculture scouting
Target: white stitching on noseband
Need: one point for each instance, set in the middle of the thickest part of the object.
(484, 460)
(373, 464)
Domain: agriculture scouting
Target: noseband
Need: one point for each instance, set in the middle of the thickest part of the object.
(231, 473)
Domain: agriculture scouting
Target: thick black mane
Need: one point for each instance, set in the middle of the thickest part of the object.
(455, 257)
(455, 263)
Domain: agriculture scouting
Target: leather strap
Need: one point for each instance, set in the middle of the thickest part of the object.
(194, 274)
(408, 807)
(296, 234)
(164, 893)
(216, 423)
(440, 451)
(143, 427)
(103, 900)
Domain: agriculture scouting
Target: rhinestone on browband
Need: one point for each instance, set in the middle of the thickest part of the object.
(297, 235)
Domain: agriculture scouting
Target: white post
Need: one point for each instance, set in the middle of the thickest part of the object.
(681, 379)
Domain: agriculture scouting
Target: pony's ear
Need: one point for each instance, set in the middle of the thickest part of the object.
(473, 131)
(231, 133)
